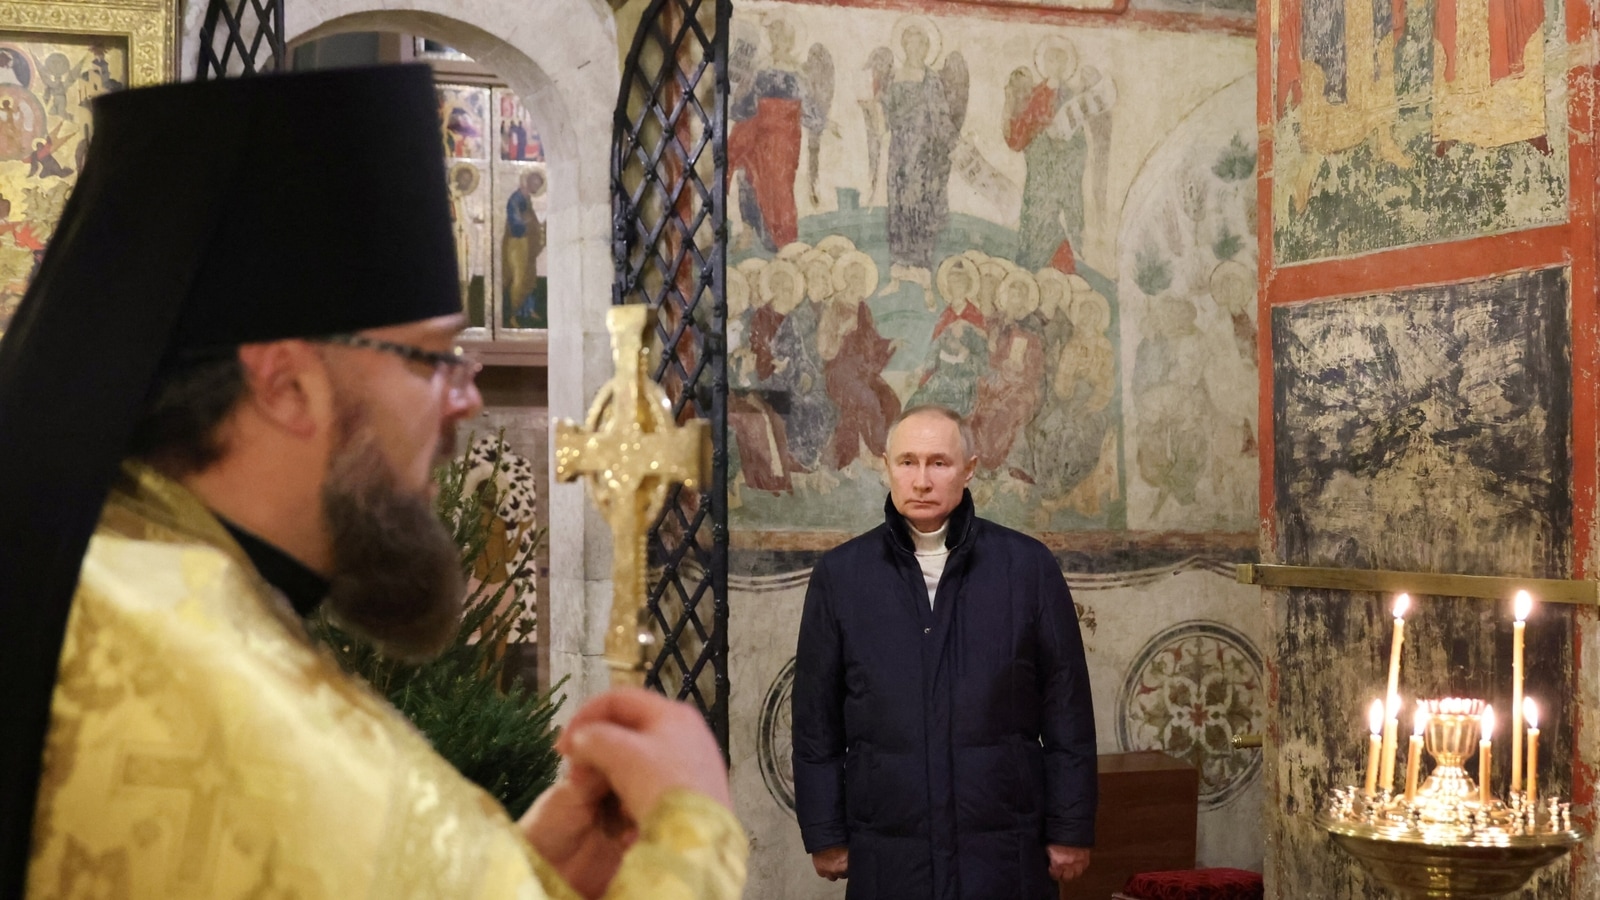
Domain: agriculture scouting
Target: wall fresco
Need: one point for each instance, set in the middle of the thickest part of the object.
(1409, 123)
(927, 210)
(1187, 281)
(1426, 430)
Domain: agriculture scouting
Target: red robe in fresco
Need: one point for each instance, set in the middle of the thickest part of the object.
(854, 378)
(764, 145)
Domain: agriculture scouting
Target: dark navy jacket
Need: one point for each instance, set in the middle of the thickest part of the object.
(944, 747)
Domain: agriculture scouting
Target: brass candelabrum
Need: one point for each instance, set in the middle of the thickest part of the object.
(1450, 839)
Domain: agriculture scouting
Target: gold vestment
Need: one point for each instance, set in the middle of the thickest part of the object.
(201, 746)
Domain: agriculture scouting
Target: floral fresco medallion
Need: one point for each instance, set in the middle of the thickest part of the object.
(1190, 690)
(774, 739)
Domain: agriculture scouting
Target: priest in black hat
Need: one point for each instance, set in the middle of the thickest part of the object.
(220, 403)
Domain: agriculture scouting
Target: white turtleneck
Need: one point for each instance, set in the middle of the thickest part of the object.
(931, 555)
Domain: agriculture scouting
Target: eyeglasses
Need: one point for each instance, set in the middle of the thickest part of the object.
(458, 367)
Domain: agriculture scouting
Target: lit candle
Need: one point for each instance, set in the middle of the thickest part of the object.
(1530, 712)
(1374, 745)
(1391, 741)
(1414, 754)
(1524, 605)
(1483, 755)
(1401, 604)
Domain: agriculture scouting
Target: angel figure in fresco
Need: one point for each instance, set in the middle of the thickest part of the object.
(923, 111)
(772, 106)
(854, 356)
(1336, 79)
(57, 75)
(1488, 73)
(881, 64)
(959, 351)
(1059, 122)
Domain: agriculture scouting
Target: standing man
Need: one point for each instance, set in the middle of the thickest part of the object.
(221, 400)
(944, 742)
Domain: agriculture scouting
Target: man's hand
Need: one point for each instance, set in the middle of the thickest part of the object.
(569, 827)
(636, 745)
(832, 863)
(1067, 863)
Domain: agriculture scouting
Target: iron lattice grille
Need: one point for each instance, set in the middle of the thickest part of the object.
(668, 170)
(248, 41)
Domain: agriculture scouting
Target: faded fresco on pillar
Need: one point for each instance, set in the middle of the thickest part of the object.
(1400, 123)
(1425, 430)
(928, 210)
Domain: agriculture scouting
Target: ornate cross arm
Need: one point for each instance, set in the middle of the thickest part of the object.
(631, 451)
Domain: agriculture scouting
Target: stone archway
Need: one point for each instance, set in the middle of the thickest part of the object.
(570, 88)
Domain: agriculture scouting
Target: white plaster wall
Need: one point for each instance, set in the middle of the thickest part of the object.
(561, 59)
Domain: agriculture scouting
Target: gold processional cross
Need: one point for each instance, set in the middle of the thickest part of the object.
(631, 451)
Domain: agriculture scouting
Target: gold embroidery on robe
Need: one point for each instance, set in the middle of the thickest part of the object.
(201, 746)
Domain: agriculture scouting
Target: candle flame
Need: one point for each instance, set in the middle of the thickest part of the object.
(1401, 604)
(1524, 605)
(1530, 712)
(1375, 717)
(1421, 721)
(1488, 722)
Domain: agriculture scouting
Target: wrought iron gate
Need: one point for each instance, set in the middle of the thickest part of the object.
(249, 41)
(669, 242)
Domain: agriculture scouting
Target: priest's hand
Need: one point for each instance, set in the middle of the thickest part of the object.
(832, 863)
(574, 828)
(1067, 863)
(624, 749)
(644, 745)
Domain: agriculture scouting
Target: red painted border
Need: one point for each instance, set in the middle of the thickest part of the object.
(1117, 17)
(1265, 442)
(1410, 267)
(1585, 398)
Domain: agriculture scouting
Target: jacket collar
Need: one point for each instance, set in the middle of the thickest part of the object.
(900, 530)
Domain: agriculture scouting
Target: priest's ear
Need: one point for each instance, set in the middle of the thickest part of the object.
(287, 387)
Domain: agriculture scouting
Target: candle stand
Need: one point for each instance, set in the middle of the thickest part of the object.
(1448, 843)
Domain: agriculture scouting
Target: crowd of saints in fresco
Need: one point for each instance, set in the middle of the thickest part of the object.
(1027, 356)
(45, 91)
(498, 200)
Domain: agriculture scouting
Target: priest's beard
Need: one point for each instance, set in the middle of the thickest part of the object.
(397, 572)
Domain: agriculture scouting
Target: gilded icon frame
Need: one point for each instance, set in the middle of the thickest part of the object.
(143, 32)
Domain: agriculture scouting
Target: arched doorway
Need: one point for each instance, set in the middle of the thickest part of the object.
(569, 87)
